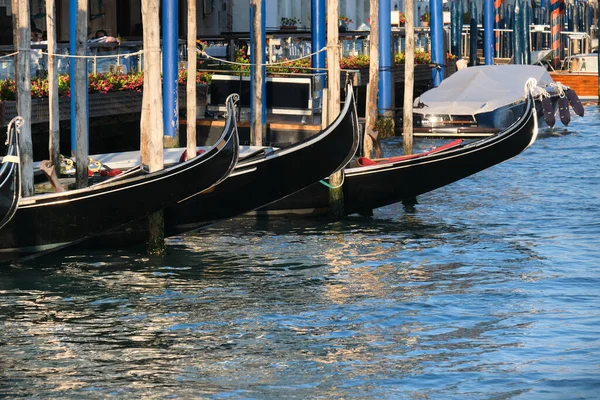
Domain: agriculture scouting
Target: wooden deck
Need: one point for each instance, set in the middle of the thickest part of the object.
(282, 130)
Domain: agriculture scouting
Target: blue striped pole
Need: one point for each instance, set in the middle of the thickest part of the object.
(555, 32)
(437, 41)
(319, 36)
(453, 29)
(72, 36)
(518, 33)
(497, 17)
(460, 10)
(488, 31)
(169, 64)
(384, 103)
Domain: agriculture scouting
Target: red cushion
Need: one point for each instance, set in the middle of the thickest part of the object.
(184, 155)
(364, 161)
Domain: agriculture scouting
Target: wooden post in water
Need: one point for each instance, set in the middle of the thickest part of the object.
(409, 78)
(257, 73)
(23, 80)
(336, 195)
(15, 26)
(497, 5)
(473, 32)
(151, 123)
(324, 116)
(191, 80)
(81, 88)
(370, 135)
(54, 116)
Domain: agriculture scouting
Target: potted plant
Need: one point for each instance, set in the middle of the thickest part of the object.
(402, 19)
(289, 24)
(344, 22)
(425, 18)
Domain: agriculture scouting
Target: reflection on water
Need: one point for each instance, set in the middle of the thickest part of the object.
(486, 289)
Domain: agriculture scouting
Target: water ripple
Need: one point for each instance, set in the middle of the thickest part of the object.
(486, 288)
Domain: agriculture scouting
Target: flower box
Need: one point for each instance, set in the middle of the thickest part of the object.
(100, 105)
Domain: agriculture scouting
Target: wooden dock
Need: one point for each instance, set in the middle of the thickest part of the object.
(282, 130)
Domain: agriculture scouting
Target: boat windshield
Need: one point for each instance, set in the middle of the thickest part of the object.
(584, 63)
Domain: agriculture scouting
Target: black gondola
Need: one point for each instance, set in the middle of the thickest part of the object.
(10, 177)
(258, 180)
(54, 220)
(391, 180)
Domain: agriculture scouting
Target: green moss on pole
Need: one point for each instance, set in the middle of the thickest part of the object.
(156, 237)
(171, 142)
(385, 127)
(336, 195)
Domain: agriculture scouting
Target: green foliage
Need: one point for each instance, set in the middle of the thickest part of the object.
(384, 126)
(289, 21)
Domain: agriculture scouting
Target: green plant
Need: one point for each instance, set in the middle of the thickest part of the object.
(344, 21)
(426, 17)
(289, 21)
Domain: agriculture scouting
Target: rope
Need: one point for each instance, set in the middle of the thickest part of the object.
(9, 55)
(266, 64)
(561, 89)
(126, 55)
(331, 186)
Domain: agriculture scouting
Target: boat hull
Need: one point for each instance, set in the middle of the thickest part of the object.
(584, 84)
(256, 181)
(55, 220)
(370, 187)
(254, 184)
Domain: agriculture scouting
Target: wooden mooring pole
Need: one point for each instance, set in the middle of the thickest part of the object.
(81, 89)
(54, 116)
(151, 123)
(336, 194)
(370, 135)
(23, 78)
(258, 109)
(409, 78)
(191, 80)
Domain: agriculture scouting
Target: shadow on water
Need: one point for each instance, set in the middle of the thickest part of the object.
(255, 309)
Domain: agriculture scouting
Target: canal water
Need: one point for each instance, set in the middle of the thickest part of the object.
(488, 288)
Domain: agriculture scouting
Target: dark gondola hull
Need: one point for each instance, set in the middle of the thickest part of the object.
(256, 181)
(55, 220)
(280, 174)
(371, 187)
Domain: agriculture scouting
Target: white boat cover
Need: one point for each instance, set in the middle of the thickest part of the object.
(481, 89)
